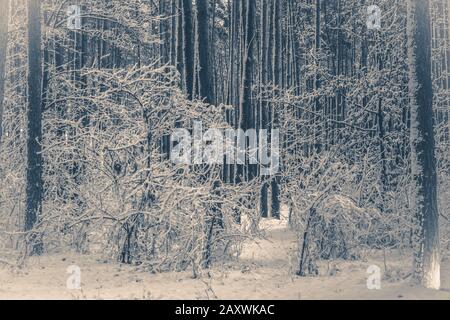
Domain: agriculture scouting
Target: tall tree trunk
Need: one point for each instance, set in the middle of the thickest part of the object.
(34, 187)
(188, 48)
(278, 79)
(246, 113)
(207, 94)
(317, 121)
(173, 32)
(426, 240)
(447, 58)
(179, 50)
(264, 207)
(4, 19)
(205, 72)
(163, 34)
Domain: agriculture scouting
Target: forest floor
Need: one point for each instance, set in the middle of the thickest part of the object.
(264, 271)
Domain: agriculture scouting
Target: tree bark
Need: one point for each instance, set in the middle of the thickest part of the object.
(207, 94)
(205, 71)
(426, 235)
(34, 187)
(188, 48)
(263, 199)
(278, 79)
(4, 19)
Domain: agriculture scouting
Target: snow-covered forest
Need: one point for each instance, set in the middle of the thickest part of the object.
(213, 149)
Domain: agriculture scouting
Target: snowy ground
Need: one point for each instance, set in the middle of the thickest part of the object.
(265, 271)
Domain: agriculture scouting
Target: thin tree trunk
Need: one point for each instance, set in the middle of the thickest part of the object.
(188, 48)
(4, 19)
(264, 207)
(179, 50)
(278, 78)
(246, 107)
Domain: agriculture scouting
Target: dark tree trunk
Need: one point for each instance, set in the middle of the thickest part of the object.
(426, 240)
(207, 94)
(264, 207)
(173, 32)
(205, 72)
(34, 187)
(246, 113)
(278, 79)
(179, 50)
(188, 47)
(317, 122)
